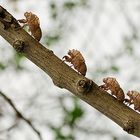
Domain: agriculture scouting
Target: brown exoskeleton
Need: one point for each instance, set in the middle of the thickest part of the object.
(77, 60)
(34, 25)
(134, 98)
(112, 85)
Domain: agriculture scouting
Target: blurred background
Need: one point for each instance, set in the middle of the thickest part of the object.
(106, 32)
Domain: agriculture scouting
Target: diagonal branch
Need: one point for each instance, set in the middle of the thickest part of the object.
(20, 115)
(65, 77)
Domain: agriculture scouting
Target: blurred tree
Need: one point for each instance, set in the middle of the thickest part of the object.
(76, 23)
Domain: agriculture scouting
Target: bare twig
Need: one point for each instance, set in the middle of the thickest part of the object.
(65, 77)
(20, 115)
(10, 127)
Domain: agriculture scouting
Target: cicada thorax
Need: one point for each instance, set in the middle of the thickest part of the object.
(111, 84)
(134, 99)
(77, 60)
(34, 25)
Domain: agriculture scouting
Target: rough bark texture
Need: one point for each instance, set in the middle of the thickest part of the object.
(65, 77)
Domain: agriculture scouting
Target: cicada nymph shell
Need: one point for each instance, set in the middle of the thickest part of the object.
(111, 84)
(77, 60)
(134, 98)
(32, 21)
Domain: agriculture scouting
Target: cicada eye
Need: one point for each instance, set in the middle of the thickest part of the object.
(105, 79)
(26, 14)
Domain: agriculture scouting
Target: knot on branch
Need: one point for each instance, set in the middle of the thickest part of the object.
(19, 45)
(84, 85)
(7, 19)
(129, 126)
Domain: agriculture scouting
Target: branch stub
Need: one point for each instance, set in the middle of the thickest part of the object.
(19, 45)
(84, 85)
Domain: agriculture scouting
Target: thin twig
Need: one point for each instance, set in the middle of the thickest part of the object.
(9, 128)
(20, 115)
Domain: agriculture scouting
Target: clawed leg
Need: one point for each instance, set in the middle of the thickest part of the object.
(21, 27)
(24, 26)
(24, 21)
(136, 108)
(113, 93)
(104, 87)
(128, 102)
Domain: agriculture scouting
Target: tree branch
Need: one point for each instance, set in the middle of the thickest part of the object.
(20, 115)
(65, 77)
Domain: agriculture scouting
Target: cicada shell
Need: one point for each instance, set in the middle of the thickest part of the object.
(114, 87)
(134, 98)
(32, 21)
(77, 60)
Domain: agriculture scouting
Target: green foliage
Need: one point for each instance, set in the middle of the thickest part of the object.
(109, 69)
(70, 119)
(2, 66)
(53, 9)
(114, 68)
(69, 5)
(52, 39)
(114, 138)
(71, 116)
(128, 45)
(59, 134)
(17, 61)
